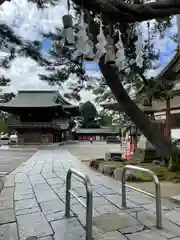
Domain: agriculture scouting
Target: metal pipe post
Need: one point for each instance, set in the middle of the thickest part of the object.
(68, 194)
(158, 203)
(89, 208)
(157, 191)
(89, 200)
(123, 183)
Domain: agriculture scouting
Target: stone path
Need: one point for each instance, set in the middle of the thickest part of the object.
(32, 204)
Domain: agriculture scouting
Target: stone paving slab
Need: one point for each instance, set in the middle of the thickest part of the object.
(52, 206)
(33, 224)
(46, 238)
(47, 195)
(33, 204)
(7, 193)
(55, 216)
(176, 199)
(113, 221)
(6, 204)
(22, 195)
(27, 211)
(68, 229)
(8, 231)
(147, 234)
(25, 203)
(7, 216)
(113, 235)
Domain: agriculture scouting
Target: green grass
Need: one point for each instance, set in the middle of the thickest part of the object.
(162, 172)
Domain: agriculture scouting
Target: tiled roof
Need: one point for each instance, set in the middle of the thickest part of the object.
(34, 98)
(172, 66)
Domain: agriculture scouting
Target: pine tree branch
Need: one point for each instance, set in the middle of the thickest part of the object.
(120, 11)
(2, 1)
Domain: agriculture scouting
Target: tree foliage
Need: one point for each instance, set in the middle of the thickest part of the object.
(4, 81)
(105, 119)
(64, 66)
(157, 90)
(89, 114)
(6, 97)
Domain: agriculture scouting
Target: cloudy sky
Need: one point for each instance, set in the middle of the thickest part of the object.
(28, 22)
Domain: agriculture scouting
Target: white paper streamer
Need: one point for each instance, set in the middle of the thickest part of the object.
(101, 45)
(120, 56)
(139, 48)
(84, 45)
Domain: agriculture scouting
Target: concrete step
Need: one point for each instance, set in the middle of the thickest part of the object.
(175, 199)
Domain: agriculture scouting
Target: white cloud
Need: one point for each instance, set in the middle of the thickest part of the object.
(165, 45)
(28, 21)
(24, 75)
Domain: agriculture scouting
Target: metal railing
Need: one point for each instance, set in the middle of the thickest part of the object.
(89, 199)
(157, 195)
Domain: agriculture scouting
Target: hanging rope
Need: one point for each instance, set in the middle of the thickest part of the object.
(68, 5)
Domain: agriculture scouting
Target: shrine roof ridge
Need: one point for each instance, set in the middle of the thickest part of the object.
(37, 98)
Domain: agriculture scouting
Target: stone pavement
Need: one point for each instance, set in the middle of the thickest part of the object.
(32, 204)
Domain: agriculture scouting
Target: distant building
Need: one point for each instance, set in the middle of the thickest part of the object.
(158, 109)
(97, 134)
(40, 117)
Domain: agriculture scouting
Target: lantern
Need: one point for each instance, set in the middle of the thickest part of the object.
(68, 30)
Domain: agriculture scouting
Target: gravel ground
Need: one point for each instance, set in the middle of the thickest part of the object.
(86, 151)
(11, 159)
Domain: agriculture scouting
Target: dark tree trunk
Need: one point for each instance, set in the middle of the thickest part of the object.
(150, 130)
(168, 118)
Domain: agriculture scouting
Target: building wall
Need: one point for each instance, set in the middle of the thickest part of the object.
(175, 118)
(95, 136)
(42, 136)
(35, 138)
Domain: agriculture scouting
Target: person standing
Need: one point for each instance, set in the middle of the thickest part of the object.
(91, 140)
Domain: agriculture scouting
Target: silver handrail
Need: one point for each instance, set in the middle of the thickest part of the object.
(89, 199)
(157, 195)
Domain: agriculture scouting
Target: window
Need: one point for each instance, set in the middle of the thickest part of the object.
(4, 138)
